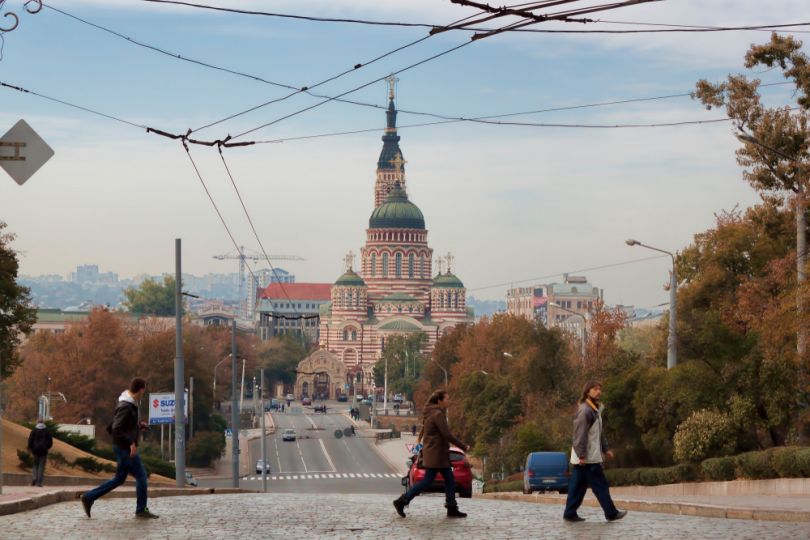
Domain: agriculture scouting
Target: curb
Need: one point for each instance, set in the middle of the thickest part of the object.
(46, 499)
(678, 508)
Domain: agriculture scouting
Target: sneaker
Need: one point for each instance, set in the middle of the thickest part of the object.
(618, 516)
(575, 519)
(454, 512)
(146, 514)
(87, 505)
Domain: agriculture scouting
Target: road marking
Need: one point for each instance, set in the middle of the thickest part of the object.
(295, 477)
(301, 454)
(274, 478)
(365, 475)
(331, 475)
(323, 447)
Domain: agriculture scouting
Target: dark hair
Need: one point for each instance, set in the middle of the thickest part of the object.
(137, 384)
(588, 386)
(436, 397)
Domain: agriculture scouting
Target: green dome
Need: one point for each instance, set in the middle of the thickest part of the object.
(350, 279)
(447, 281)
(397, 212)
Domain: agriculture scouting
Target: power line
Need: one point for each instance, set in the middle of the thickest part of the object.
(549, 276)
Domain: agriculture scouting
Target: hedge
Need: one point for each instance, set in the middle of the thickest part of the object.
(512, 485)
(651, 476)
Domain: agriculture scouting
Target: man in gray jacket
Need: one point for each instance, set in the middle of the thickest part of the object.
(587, 454)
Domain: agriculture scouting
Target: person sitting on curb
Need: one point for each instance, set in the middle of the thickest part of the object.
(587, 455)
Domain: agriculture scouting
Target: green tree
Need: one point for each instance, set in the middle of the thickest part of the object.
(405, 364)
(16, 314)
(151, 298)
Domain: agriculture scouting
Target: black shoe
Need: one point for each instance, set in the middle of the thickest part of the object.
(33, 482)
(618, 516)
(146, 514)
(400, 505)
(87, 505)
(454, 512)
(575, 519)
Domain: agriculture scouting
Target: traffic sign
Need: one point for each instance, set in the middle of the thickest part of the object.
(23, 152)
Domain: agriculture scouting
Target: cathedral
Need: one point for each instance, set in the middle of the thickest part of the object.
(392, 291)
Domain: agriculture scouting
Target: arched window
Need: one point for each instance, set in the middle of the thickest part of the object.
(343, 298)
(455, 300)
(349, 296)
(422, 267)
(398, 264)
(441, 299)
(354, 335)
(385, 265)
(345, 335)
(373, 264)
(410, 265)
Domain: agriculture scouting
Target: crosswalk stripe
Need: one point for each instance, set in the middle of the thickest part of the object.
(331, 476)
(273, 478)
(295, 477)
(351, 475)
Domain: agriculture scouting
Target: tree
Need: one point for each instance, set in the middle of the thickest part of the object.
(280, 357)
(776, 140)
(604, 327)
(405, 364)
(152, 298)
(16, 314)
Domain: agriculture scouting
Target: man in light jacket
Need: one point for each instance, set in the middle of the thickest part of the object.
(587, 454)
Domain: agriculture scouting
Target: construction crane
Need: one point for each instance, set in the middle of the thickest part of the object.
(242, 256)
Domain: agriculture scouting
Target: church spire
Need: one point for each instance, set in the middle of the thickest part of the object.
(391, 164)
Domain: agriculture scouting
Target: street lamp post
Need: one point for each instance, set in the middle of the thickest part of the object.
(214, 392)
(672, 338)
(443, 369)
(584, 337)
(385, 388)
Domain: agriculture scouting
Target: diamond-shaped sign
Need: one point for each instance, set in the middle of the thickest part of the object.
(23, 152)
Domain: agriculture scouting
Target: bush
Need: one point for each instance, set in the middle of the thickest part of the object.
(88, 464)
(158, 466)
(719, 469)
(756, 465)
(651, 476)
(57, 458)
(109, 467)
(704, 434)
(82, 442)
(205, 447)
(26, 459)
(496, 487)
(105, 452)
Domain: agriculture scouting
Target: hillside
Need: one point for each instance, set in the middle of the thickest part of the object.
(15, 437)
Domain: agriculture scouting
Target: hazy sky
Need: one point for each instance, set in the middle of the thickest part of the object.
(511, 203)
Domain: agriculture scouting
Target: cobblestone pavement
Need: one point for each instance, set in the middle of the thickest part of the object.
(364, 516)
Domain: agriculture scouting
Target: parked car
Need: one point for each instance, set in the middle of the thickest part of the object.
(367, 402)
(546, 471)
(306, 401)
(190, 480)
(343, 398)
(262, 465)
(462, 471)
(290, 397)
(398, 398)
(288, 434)
(359, 397)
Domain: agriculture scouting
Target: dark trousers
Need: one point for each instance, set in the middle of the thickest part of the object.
(592, 475)
(430, 476)
(126, 465)
(38, 469)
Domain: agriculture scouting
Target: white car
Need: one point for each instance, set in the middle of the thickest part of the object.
(290, 397)
(288, 435)
(262, 465)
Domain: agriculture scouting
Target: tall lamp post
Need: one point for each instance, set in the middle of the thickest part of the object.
(672, 338)
(584, 337)
(214, 392)
(801, 243)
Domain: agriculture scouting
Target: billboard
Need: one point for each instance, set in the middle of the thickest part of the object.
(161, 408)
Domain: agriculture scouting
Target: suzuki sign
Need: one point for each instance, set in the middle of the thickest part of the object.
(161, 408)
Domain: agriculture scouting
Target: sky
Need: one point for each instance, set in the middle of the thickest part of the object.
(514, 204)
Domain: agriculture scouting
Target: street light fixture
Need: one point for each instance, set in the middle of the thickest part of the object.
(584, 337)
(214, 393)
(672, 343)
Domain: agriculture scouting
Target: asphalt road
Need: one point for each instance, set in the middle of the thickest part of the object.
(317, 461)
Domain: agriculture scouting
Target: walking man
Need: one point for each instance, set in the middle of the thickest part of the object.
(125, 429)
(587, 455)
(40, 441)
(436, 438)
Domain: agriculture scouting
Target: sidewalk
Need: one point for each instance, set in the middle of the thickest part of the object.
(23, 498)
(755, 507)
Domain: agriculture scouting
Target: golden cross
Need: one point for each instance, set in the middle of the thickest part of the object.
(349, 260)
(392, 81)
(449, 259)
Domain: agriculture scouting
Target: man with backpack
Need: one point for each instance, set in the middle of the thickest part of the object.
(125, 429)
(39, 442)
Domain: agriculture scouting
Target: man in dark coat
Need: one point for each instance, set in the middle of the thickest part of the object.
(436, 439)
(39, 442)
(125, 429)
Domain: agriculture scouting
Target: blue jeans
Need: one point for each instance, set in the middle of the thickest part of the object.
(430, 475)
(126, 465)
(590, 474)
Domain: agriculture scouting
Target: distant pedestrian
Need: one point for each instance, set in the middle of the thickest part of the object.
(436, 438)
(282, 407)
(40, 442)
(125, 429)
(587, 454)
(413, 430)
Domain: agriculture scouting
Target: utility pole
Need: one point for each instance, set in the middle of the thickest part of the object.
(264, 434)
(234, 412)
(1, 421)
(385, 389)
(179, 377)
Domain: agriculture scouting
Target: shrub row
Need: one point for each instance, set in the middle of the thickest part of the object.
(89, 464)
(512, 485)
(652, 476)
(781, 462)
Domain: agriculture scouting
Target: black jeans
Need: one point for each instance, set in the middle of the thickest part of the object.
(38, 469)
(430, 475)
(590, 474)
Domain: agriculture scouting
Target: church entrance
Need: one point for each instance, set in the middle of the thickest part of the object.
(321, 381)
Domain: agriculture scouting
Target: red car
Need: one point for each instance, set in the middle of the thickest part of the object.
(462, 472)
